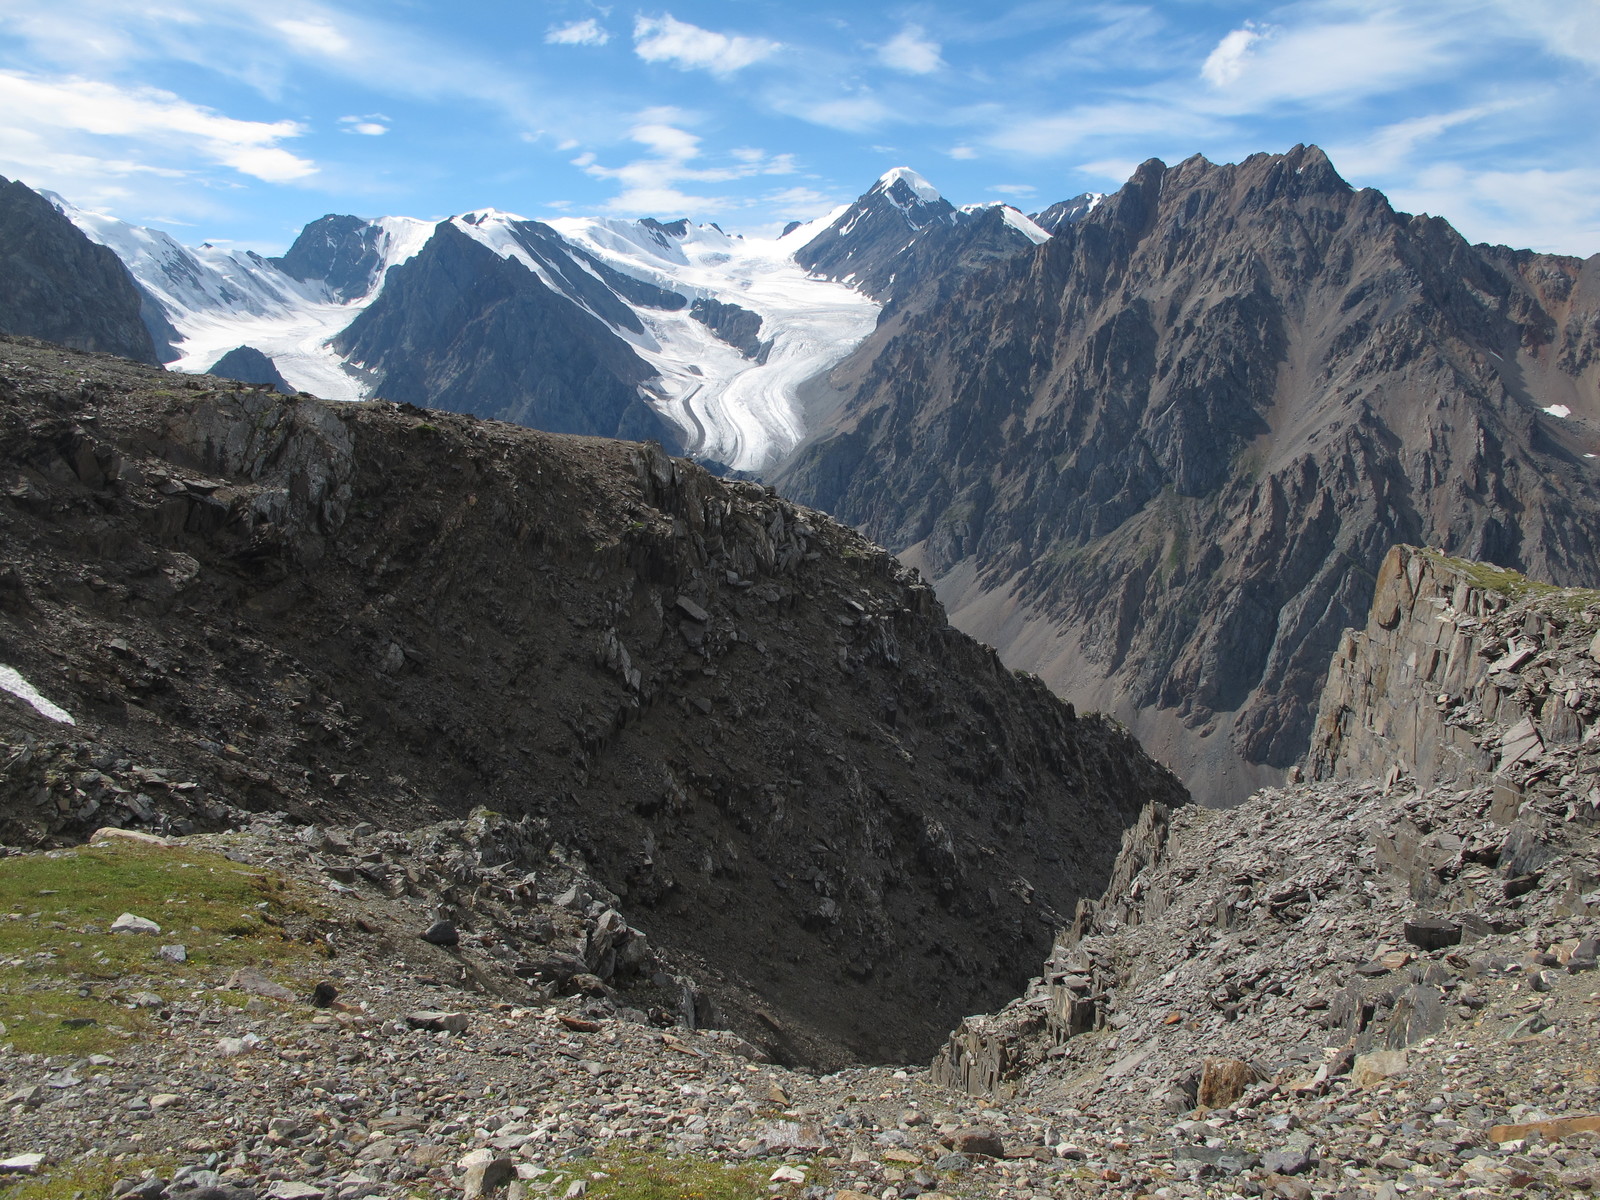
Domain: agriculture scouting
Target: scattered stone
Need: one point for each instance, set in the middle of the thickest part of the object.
(128, 923)
(21, 1164)
(1553, 1130)
(1373, 1068)
(166, 1100)
(438, 1022)
(248, 979)
(485, 1172)
(977, 1139)
(173, 954)
(1432, 933)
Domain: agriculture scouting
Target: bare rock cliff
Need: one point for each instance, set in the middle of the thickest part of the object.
(1159, 458)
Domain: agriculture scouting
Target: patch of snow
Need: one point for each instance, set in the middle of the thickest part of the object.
(1559, 410)
(1012, 217)
(11, 680)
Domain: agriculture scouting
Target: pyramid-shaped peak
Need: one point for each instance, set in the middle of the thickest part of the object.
(920, 187)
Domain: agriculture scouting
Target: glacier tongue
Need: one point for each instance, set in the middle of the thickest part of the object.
(743, 412)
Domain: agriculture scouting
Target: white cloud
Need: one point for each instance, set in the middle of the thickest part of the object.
(317, 35)
(371, 125)
(1118, 169)
(1020, 190)
(578, 33)
(1255, 71)
(153, 119)
(962, 152)
(1556, 211)
(911, 51)
(854, 114)
(1226, 63)
(665, 39)
(1115, 120)
(650, 183)
(1394, 146)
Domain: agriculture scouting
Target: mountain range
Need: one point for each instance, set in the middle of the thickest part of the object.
(1152, 446)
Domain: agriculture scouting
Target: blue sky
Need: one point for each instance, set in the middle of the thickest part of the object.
(239, 121)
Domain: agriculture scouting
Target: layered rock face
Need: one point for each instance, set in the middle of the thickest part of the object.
(1441, 894)
(58, 285)
(755, 728)
(1159, 458)
(1463, 671)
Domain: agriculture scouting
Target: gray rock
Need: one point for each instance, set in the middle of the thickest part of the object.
(441, 933)
(436, 1022)
(128, 923)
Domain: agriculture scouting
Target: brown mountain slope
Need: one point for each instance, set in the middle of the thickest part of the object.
(1159, 459)
(754, 726)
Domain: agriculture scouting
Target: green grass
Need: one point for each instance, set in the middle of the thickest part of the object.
(1514, 584)
(646, 1175)
(87, 1178)
(65, 980)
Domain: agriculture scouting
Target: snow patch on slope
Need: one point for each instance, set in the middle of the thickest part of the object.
(11, 680)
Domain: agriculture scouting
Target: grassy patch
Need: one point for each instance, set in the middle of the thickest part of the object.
(656, 1176)
(1514, 584)
(66, 980)
(89, 1177)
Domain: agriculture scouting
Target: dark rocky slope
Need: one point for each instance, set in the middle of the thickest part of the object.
(1159, 458)
(341, 251)
(753, 725)
(57, 284)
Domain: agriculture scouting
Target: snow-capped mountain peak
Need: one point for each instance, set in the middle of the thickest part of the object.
(919, 187)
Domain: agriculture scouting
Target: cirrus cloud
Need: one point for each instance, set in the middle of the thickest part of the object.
(665, 39)
(578, 33)
(159, 120)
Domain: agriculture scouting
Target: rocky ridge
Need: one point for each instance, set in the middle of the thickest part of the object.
(1160, 457)
(756, 729)
(1363, 980)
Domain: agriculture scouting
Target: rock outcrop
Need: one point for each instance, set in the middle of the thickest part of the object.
(1159, 458)
(755, 728)
(58, 285)
(1318, 927)
(1464, 671)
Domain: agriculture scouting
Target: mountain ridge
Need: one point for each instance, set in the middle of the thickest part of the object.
(1251, 378)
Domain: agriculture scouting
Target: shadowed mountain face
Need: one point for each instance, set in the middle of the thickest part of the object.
(58, 285)
(758, 729)
(340, 251)
(1160, 457)
(459, 327)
